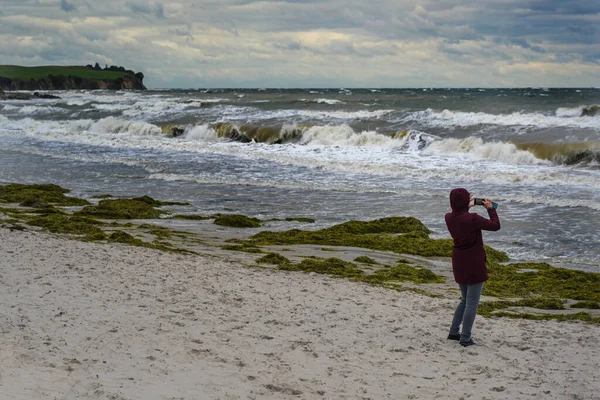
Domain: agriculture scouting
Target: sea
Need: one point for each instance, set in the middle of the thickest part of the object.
(331, 154)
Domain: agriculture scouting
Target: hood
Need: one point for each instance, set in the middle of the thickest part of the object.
(459, 199)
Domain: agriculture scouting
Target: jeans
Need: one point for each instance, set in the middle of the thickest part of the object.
(466, 310)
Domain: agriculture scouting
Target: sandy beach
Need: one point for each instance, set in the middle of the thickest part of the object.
(109, 321)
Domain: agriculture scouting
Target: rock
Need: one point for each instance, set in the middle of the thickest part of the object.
(45, 95)
(172, 131)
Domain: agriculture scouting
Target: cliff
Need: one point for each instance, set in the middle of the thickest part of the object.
(69, 78)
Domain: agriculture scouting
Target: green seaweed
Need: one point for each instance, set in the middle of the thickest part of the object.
(237, 221)
(344, 269)
(21, 213)
(581, 316)
(161, 243)
(540, 285)
(592, 305)
(404, 272)
(47, 210)
(192, 217)
(301, 219)
(58, 223)
(125, 238)
(365, 260)
(541, 279)
(157, 203)
(331, 266)
(486, 308)
(38, 195)
(273, 258)
(377, 235)
(121, 209)
(382, 225)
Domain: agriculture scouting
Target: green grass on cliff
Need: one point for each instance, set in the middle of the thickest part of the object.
(25, 73)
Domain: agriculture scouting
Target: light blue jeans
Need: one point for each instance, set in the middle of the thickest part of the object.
(466, 310)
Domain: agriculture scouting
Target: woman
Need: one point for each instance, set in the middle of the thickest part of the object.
(468, 259)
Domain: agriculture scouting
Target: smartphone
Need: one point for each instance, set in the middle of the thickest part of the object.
(479, 202)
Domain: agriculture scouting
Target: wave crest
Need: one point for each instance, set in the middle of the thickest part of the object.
(117, 125)
(581, 111)
(473, 146)
(582, 153)
(564, 118)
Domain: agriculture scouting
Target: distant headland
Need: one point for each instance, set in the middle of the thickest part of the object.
(89, 77)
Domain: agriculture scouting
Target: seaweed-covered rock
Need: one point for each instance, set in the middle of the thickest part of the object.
(273, 258)
(121, 209)
(59, 223)
(382, 225)
(237, 221)
(38, 195)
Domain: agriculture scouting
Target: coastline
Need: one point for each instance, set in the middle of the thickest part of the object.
(97, 320)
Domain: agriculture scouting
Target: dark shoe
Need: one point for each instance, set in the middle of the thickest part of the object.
(454, 337)
(469, 343)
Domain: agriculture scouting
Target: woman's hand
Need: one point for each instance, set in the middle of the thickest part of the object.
(487, 203)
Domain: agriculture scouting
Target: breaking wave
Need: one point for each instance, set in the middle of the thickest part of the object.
(447, 118)
(473, 146)
(582, 111)
(582, 153)
(327, 135)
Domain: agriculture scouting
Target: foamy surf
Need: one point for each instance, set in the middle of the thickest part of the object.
(448, 118)
(338, 154)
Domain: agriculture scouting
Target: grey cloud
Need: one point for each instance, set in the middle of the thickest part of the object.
(592, 57)
(66, 6)
(520, 42)
(180, 32)
(291, 46)
(156, 9)
(159, 10)
(456, 34)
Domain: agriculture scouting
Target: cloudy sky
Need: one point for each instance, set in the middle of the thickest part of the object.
(314, 43)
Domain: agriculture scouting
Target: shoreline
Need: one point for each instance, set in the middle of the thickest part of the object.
(96, 320)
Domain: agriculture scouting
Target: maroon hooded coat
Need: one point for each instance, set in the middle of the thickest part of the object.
(468, 254)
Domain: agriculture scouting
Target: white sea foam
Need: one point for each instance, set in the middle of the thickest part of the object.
(343, 115)
(476, 147)
(447, 118)
(344, 135)
(332, 148)
(116, 125)
(566, 112)
(39, 109)
(250, 114)
(207, 100)
(555, 201)
(201, 133)
(154, 110)
(107, 107)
